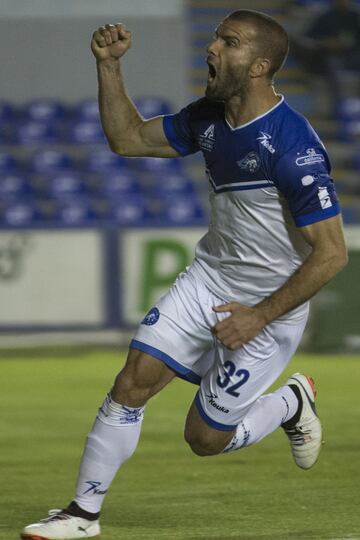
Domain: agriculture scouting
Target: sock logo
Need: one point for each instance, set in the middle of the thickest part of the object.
(94, 488)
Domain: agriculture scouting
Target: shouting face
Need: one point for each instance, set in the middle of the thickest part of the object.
(230, 56)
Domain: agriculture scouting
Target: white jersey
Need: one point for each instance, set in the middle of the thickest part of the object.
(267, 178)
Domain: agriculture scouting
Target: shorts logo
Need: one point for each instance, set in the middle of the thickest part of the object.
(324, 198)
(251, 162)
(265, 139)
(310, 159)
(152, 317)
(213, 403)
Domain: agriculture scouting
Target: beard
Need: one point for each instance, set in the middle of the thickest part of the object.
(231, 82)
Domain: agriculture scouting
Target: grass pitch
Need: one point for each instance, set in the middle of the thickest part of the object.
(48, 404)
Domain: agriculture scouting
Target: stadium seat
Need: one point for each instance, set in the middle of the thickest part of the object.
(8, 163)
(35, 132)
(158, 165)
(172, 184)
(87, 109)
(85, 132)
(50, 161)
(14, 186)
(7, 111)
(119, 184)
(21, 213)
(130, 211)
(152, 106)
(66, 185)
(183, 211)
(102, 160)
(44, 110)
(75, 212)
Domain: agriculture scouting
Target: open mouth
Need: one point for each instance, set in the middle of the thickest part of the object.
(212, 73)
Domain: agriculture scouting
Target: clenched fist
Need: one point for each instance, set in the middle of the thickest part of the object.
(110, 42)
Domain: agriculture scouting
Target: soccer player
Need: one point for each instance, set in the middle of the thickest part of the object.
(234, 319)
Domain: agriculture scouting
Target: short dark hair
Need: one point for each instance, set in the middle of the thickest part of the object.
(272, 39)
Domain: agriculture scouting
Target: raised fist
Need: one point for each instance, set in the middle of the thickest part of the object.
(110, 42)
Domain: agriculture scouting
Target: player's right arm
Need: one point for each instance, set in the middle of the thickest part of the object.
(127, 132)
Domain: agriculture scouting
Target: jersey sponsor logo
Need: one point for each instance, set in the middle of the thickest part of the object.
(152, 317)
(209, 132)
(211, 397)
(251, 162)
(307, 180)
(265, 139)
(310, 158)
(324, 198)
(207, 139)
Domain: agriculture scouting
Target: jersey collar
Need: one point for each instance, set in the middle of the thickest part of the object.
(257, 118)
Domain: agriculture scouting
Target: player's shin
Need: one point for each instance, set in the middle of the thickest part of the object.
(267, 414)
(112, 440)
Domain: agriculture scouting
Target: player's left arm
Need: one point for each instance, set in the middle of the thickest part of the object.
(327, 258)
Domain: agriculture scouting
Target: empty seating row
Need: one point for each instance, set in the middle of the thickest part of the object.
(96, 160)
(115, 184)
(44, 110)
(135, 210)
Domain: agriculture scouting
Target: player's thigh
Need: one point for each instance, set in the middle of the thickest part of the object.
(177, 330)
(238, 378)
(142, 377)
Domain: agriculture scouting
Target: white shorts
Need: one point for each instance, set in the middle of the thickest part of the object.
(177, 331)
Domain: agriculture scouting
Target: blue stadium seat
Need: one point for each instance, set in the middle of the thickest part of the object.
(88, 110)
(152, 106)
(76, 212)
(14, 186)
(35, 132)
(158, 165)
(102, 160)
(21, 213)
(85, 132)
(130, 211)
(51, 160)
(6, 132)
(7, 111)
(172, 184)
(44, 110)
(349, 109)
(183, 211)
(8, 163)
(66, 185)
(119, 184)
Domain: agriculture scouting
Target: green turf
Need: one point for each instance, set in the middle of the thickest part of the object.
(164, 492)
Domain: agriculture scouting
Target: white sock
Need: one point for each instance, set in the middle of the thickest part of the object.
(112, 440)
(267, 414)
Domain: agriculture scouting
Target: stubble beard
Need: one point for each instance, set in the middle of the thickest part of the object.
(232, 83)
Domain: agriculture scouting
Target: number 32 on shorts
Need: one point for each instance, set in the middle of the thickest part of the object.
(241, 374)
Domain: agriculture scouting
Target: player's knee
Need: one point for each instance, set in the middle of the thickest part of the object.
(202, 446)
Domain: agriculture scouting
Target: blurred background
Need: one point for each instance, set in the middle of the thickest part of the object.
(88, 239)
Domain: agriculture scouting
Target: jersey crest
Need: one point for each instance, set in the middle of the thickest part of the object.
(251, 162)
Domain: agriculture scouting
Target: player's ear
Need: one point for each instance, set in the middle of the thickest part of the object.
(260, 67)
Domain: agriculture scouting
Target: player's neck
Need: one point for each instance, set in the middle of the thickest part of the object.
(241, 110)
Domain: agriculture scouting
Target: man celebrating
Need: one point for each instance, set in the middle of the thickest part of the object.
(234, 319)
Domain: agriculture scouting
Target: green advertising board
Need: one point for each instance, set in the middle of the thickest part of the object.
(150, 260)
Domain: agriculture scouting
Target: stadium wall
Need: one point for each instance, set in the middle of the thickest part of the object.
(48, 53)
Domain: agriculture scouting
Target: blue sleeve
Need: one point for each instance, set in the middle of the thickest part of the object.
(302, 175)
(179, 131)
